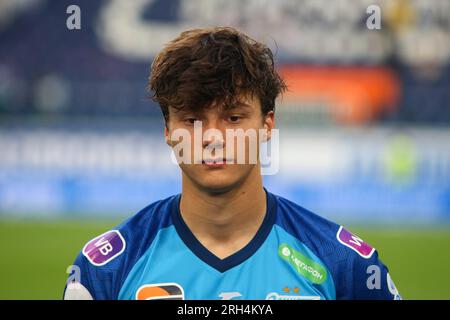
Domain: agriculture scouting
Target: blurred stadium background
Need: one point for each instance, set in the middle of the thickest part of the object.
(364, 128)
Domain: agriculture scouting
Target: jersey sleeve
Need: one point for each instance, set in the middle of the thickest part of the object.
(371, 280)
(83, 282)
(367, 277)
(93, 274)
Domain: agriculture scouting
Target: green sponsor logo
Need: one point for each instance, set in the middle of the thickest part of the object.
(308, 268)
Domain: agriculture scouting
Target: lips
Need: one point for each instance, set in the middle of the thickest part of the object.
(216, 161)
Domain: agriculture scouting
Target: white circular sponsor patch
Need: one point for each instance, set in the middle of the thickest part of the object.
(286, 252)
(392, 288)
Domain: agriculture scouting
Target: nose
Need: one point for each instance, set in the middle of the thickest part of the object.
(213, 134)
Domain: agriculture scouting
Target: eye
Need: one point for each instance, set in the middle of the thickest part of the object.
(234, 118)
(190, 120)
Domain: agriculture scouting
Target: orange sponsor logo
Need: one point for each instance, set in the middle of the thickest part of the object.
(160, 291)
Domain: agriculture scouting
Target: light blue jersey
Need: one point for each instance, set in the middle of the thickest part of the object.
(295, 255)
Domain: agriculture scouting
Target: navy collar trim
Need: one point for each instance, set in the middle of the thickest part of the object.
(239, 256)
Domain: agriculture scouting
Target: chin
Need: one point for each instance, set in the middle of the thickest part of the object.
(217, 185)
(217, 181)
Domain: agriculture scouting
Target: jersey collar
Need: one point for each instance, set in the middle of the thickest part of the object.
(236, 258)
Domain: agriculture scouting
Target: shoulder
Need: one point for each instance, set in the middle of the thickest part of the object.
(317, 231)
(130, 236)
(325, 236)
(105, 260)
(350, 260)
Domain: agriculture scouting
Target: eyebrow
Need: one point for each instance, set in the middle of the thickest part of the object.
(183, 112)
(236, 105)
(240, 104)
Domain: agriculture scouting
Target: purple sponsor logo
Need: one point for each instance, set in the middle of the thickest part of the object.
(104, 248)
(353, 242)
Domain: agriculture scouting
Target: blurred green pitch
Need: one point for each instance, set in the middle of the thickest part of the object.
(34, 256)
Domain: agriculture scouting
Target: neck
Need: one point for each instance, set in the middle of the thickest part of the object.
(235, 215)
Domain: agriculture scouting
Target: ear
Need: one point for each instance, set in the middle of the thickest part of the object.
(167, 135)
(269, 124)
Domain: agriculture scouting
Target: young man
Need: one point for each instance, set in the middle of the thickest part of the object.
(225, 236)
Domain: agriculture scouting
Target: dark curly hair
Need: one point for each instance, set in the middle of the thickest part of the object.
(202, 67)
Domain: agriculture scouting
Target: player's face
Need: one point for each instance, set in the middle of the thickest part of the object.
(226, 152)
